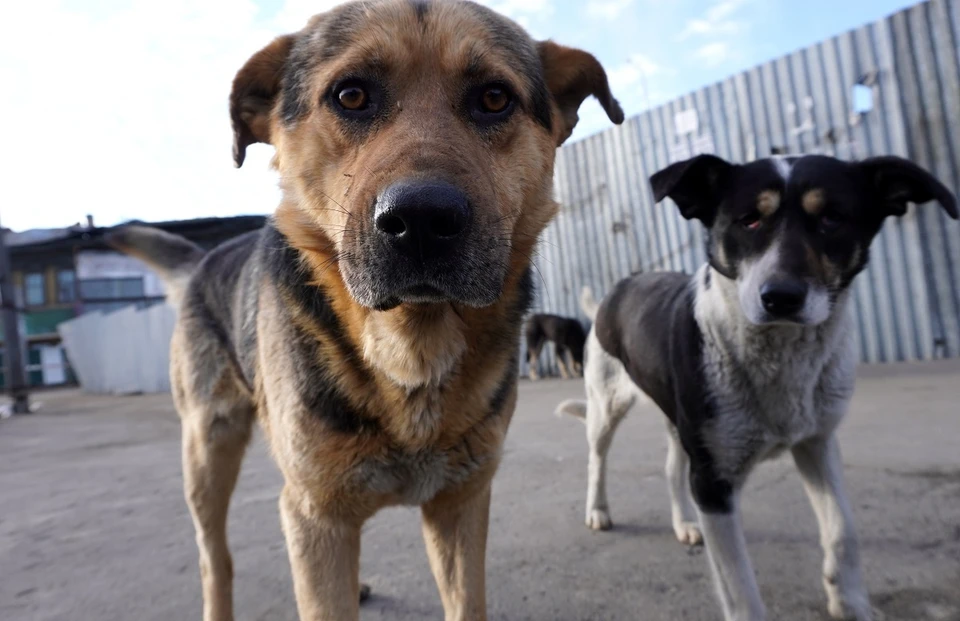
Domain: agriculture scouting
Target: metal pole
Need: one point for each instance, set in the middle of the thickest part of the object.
(15, 375)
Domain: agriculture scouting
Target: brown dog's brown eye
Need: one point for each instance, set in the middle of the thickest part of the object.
(495, 100)
(490, 104)
(352, 98)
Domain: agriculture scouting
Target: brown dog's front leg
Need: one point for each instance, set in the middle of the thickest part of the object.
(325, 560)
(455, 531)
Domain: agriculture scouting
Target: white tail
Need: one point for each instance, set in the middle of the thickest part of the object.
(588, 304)
(572, 407)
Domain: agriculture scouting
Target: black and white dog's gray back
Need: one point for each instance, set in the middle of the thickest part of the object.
(752, 355)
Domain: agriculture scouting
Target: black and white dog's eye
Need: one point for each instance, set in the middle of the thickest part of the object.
(750, 221)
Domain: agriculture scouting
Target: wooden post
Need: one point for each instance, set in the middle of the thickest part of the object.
(16, 383)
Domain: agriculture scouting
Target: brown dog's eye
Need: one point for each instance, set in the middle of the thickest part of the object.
(495, 100)
(490, 104)
(352, 98)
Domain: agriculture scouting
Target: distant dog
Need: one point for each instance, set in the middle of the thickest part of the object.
(751, 356)
(371, 327)
(567, 336)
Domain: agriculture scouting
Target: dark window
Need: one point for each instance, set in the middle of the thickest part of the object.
(66, 286)
(111, 289)
(33, 290)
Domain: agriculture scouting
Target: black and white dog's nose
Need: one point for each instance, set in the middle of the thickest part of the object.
(424, 219)
(783, 298)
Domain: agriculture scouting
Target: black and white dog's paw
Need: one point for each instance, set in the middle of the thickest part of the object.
(854, 609)
(688, 533)
(598, 519)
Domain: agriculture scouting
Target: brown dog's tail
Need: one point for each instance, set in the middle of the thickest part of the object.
(588, 304)
(576, 408)
(173, 257)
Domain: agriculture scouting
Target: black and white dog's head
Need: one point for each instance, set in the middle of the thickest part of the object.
(792, 233)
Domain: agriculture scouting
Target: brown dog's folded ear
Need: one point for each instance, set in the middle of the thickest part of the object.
(695, 185)
(572, 75)
(255, 90)
(897, 182)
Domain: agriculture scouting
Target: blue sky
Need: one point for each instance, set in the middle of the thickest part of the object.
(120, 111)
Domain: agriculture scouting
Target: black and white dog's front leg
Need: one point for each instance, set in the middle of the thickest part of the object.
(732, 572)
(821, 468)
(736, 584)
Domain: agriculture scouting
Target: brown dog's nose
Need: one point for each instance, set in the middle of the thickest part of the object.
(424, 219)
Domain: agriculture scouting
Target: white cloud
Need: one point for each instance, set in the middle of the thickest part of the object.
(527, 13)
(124, 115)
(295, 13)
(637, 67)
(715, 21)
(703, 27)
(607, 9)
(713, 54)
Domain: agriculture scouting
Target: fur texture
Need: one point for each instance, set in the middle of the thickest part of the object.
(752, 356)
(379, 357)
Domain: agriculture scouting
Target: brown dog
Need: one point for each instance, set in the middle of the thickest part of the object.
(372, 326)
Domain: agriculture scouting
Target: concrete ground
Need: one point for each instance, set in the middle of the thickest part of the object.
(93, 524)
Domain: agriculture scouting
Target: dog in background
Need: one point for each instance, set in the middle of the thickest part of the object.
(753, 355)
(568, 338)
(371, 326)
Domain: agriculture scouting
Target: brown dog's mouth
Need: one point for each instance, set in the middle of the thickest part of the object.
(380, 279)
(425, 292)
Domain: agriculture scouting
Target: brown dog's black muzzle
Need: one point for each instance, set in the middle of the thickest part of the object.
(423, 220)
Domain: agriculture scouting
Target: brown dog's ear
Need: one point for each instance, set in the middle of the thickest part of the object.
(572, 75)
(897, 182)
(695, 185)
(255, 90)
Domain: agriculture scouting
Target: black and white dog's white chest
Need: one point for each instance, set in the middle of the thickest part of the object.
(769, 387)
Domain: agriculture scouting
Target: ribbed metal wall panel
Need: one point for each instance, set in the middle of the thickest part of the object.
(907, 302)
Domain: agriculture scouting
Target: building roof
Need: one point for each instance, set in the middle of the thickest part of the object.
(206, 232)
(37, 236)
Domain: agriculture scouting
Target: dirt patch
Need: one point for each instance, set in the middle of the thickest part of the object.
(912, 604)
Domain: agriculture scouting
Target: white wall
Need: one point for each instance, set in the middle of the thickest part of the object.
(107, 264)
(123, 352)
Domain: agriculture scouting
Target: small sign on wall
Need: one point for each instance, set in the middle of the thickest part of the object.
(686, 122)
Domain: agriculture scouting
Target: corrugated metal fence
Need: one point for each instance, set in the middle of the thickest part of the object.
(122, 352)
(811, 101)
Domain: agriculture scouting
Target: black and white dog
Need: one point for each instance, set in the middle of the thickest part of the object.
(751, 356)
(568, 337)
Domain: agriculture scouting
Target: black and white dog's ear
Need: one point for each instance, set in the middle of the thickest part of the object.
(695, 185)
(898, 182)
